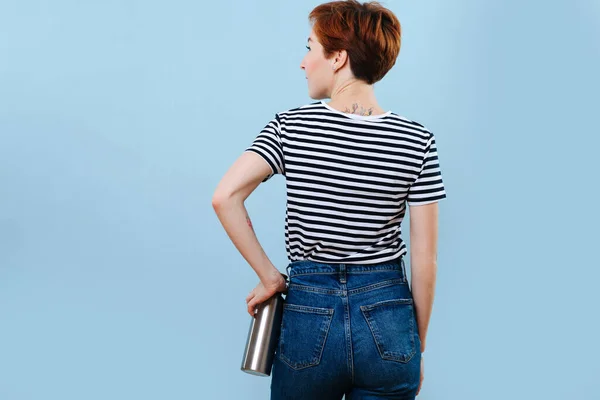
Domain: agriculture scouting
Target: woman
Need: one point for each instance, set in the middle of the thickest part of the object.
(351, 324)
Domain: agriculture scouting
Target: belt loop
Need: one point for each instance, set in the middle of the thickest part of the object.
(287, 269)
(343, 273)
(403, 270)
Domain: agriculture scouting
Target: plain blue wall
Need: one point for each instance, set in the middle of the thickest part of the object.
(118, 119)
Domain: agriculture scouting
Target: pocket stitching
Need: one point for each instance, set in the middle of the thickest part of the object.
(369, 307)
(321, 340)
(389, 355)
(308, 309)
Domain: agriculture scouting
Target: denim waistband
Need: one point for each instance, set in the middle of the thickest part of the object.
(309, 266)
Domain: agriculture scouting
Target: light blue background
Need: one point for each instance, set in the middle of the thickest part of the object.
(118, 119)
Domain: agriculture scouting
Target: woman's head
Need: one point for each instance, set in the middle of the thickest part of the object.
(360, 40)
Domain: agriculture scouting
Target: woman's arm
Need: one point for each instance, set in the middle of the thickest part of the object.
(242, 178)
(423, 262)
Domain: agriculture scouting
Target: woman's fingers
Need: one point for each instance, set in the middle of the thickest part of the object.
(249, 302)
(251, 308)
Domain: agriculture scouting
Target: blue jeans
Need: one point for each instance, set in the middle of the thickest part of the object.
(347, 329)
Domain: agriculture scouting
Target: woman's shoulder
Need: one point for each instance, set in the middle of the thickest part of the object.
(299, 108)
(400, 119)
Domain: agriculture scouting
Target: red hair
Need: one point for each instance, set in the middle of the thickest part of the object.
(369, 32)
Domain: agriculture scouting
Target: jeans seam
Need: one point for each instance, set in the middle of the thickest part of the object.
(338, 292)
(374, 286)
(315, 289)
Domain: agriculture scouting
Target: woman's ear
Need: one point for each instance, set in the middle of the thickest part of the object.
(340, 59)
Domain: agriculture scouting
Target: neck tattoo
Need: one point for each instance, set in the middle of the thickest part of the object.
(363, 111)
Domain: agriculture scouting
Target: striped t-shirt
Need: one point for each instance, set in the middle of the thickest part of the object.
(348, 180)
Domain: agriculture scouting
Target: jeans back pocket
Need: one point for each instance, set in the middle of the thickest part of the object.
(303, 334)
(392, 323)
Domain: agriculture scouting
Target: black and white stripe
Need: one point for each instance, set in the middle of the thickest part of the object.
(348, 180)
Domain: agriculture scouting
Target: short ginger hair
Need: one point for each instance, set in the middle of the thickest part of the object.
(369, 32)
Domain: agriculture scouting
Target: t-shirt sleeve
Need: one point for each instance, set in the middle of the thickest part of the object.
(428, 187)
(268, 145)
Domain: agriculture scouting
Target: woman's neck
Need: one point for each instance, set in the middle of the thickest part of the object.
(355, 97)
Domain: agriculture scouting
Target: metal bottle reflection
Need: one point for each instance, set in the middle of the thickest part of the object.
(263, 335)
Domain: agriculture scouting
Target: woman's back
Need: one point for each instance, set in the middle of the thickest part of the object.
(348, 179)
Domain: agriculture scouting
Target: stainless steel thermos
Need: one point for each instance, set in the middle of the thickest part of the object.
(263, 335)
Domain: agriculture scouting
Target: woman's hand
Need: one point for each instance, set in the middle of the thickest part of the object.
(265, 289)
(421, 379)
